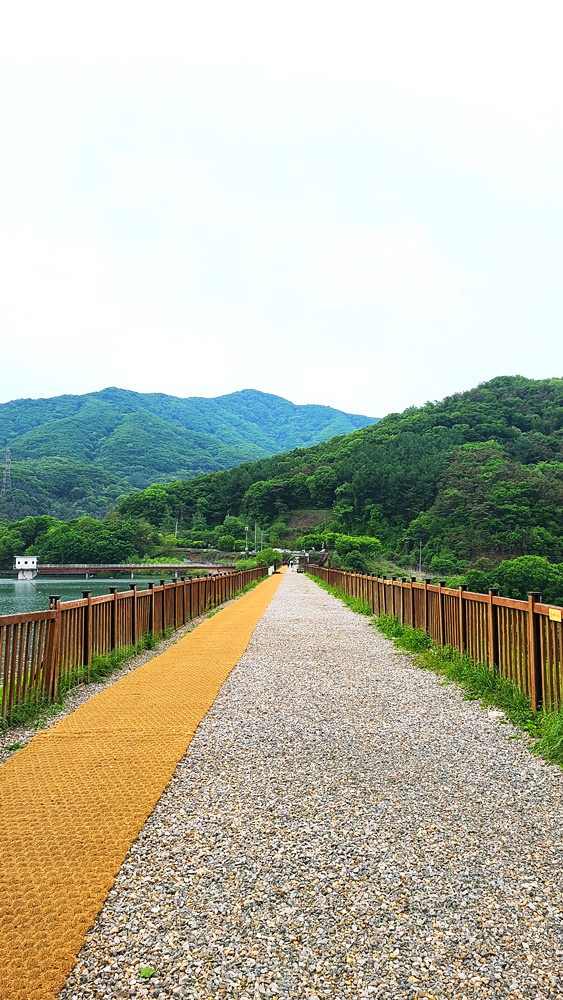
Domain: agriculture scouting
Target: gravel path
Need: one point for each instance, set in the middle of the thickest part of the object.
(341, 826)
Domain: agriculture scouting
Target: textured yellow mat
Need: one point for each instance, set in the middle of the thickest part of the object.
(73, 801)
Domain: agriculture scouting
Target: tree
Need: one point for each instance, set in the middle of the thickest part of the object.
(87, 540)
(322, 485)
(227, 543)
(355, 562)
(518, 577)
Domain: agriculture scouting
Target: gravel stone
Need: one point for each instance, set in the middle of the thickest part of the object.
(342, 825)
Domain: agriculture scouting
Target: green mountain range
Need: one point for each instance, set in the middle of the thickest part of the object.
(477, 476)
(74, 455)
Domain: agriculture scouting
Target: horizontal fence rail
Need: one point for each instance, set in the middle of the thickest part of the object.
(520, 640)
(44, 650)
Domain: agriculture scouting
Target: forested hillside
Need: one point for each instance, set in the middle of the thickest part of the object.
(477, 476)
(76, 455)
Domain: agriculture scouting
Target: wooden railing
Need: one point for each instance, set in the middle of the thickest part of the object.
(44, 650)
(521, 640)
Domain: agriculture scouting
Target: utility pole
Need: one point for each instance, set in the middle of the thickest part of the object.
(420, 556)
(246, 539)
(7, 481)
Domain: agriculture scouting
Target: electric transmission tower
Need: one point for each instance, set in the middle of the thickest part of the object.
(7, 481)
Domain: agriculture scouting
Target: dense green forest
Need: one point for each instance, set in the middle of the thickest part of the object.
(85, 539)
(476, 480)
(472, 484)
(75, 455)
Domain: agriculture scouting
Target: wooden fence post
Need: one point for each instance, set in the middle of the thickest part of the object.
(425, 626)
(51, 672)
(493, 631)
(441, 622)
(183, 579)
(134, 636)
(413, 610)
(534, 657)
(151, 608)
(113, 625)
(163, 585)
(87, 631)
(462, 621)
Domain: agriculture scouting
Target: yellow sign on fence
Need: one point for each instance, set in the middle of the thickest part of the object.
(555, 614)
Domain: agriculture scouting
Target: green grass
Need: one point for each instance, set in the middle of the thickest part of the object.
(147, 972)
(31, 712)
(105, 665)
(478, 681)
(354, 603)
(549, 743)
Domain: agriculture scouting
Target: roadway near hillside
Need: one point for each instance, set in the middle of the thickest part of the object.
(342, 825)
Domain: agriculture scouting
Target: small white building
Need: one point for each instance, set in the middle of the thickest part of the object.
(26, 567)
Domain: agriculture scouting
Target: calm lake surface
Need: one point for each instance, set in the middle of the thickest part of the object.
(19, 596)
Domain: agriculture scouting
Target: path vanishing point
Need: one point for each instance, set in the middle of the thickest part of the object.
(340, 825)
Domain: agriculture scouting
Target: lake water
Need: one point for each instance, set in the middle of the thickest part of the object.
(19, 596)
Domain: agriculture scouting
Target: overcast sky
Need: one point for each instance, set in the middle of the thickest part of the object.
(357, 204)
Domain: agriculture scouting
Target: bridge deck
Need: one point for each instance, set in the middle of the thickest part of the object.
(64, 569)
(341, 826)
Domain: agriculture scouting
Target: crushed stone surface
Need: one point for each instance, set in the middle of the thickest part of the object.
(342, 825)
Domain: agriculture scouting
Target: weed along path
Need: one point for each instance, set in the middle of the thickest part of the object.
(73, 801)
(341, 826)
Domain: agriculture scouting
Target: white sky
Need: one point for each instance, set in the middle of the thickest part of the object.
(358, 204)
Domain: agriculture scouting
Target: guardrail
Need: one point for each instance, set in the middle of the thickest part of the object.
(42, 650)
(520, 640)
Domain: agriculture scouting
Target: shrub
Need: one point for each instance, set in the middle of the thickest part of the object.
(355, 562)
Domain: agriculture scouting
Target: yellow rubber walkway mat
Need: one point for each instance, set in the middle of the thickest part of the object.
(73, 801)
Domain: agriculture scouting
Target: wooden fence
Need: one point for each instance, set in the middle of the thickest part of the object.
(43, 650)
(520, 640)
